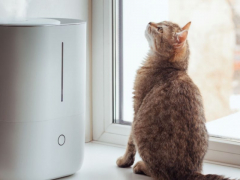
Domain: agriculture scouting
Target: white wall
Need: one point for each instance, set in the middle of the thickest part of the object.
(59, 8)
(78, 9)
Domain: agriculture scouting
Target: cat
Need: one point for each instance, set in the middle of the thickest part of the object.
(168, 129)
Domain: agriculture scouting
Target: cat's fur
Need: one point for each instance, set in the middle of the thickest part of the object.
(168, 129)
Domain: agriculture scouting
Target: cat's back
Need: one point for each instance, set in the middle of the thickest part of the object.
(181, 95)
(172, 118)
(174, 101)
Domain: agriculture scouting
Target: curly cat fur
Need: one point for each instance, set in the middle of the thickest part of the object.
(168, 129)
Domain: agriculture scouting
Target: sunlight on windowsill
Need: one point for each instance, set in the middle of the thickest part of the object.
(100, 163)
(227, 127)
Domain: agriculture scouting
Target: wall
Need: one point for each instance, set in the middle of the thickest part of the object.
(78, 9)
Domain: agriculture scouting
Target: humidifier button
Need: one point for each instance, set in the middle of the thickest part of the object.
(61, 140)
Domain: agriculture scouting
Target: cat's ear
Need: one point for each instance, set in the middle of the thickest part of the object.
(180, 39)
(187, 26)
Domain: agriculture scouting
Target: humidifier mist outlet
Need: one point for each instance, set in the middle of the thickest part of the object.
(42, 92)
(30, 22)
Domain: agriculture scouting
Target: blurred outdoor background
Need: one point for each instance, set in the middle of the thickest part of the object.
(214, 39)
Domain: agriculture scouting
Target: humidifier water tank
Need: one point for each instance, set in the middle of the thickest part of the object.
(42, 98)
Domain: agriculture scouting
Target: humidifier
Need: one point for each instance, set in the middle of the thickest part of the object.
(42, 98)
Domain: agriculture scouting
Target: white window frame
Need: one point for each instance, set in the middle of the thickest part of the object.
(220, 151)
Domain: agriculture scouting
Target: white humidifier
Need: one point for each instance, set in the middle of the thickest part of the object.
(42, 98)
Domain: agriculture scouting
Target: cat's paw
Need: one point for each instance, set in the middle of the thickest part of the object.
(140, 168)
(120, 161)
(137, 168)
(124, 162)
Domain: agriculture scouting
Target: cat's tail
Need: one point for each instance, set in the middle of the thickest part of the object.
(198, 176)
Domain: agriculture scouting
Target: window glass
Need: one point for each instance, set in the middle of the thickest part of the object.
(214, 39)
(133, 18)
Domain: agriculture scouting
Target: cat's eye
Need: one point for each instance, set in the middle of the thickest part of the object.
(160, 29)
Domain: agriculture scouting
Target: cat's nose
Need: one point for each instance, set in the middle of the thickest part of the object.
(153, 24)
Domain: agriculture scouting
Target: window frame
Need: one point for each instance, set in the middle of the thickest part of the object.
(104, 129)
(117, 46)
(220, 151)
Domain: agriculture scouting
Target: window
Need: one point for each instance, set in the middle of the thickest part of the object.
(132, 19)
(214, 65)
(115, 63)
(221, 91)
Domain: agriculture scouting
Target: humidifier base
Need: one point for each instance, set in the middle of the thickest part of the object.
(41, 150)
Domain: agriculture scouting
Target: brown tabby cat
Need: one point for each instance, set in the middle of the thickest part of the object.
(169, 123)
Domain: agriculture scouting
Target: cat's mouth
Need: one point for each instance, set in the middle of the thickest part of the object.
(149, 30)
(148, 36)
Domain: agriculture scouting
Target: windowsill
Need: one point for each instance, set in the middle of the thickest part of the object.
(227, 127)
(99, 163)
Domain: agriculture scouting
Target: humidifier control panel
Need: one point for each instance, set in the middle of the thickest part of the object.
(61, 140)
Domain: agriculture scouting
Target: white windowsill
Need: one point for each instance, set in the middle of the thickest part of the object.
(227, 127)
(99, 164)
